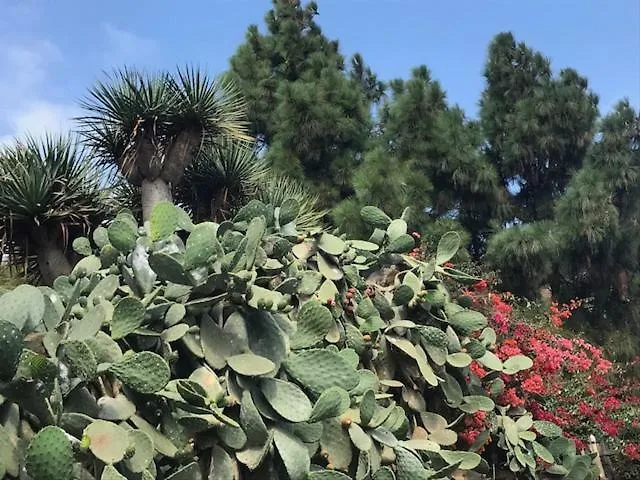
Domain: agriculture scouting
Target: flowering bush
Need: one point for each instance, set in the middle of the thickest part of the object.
(571, 383)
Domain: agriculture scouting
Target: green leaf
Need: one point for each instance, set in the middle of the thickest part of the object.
(161, 443)
(293, 453)
(367, 407)
(250, 365)
(516, 364)
(329, 269)
(82, 246)
(122, 234)
(320, 369)
(145, 372)
(251, 421)
(111, 473)
(459, 359)
(396, 229)
(490, 361)
(24, 306)
(363, 245)
(333, 402)
(332, 475)
(314, 321)
(255, 232)
(451, 389)
(547, 429)
(510, 430)
(287, 399)
(201, 244)
(164, 220)
(475, 403)
(375, 217)
(331, 244)
(144, 451)
(107, 441)
(467, 460)
(127, 317)
(221, 466)
(425, 367)
(116, 408)
(360, 439)
(289, 210)
(447, 247)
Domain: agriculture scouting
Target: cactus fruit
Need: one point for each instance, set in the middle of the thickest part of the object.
(11, 343)
(49, 455)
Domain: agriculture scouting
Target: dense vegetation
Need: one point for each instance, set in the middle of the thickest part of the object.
(221, 297)
(540, 157)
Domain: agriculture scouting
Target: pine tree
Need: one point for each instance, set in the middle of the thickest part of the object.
(538, 127)
(599, 217)
(590, 249)
(427, 155)
(311, 113)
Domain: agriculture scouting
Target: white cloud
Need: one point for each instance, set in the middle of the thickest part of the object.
(25, 69)
(125, 47)
(39, 118)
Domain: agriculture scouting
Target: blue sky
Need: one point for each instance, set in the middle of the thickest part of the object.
(51, 51)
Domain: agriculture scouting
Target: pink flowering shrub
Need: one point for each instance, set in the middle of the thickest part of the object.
(571, 382)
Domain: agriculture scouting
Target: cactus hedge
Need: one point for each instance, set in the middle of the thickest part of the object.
(251, 350)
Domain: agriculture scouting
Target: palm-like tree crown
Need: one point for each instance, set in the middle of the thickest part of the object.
(154, 125)
(48, 185)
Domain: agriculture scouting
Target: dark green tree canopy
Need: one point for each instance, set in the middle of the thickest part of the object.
(538, 127)
(427, 154)
(311, 112)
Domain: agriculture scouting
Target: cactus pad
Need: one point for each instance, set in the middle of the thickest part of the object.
(293, 453)
(333, 402)
(468, 321)
(287, 399)
(164, 221)
(24, 307)
(250, 365)
(11, 343)
(107, 441)
(314, 322)
(402, 244)
(127, 317)
(81, 359)
(49, 455)
(289, 210)
(145, 372)
(122, 234)
(320, 369)
(375, 217)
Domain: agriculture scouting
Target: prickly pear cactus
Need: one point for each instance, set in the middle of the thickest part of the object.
(250, 350)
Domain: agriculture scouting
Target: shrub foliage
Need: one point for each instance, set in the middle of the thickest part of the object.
(248, 349)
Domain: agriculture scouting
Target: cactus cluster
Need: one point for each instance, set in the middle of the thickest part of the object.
(251, 350)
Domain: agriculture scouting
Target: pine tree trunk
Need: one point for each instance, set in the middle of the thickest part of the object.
(153, 192)
(52, 260)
